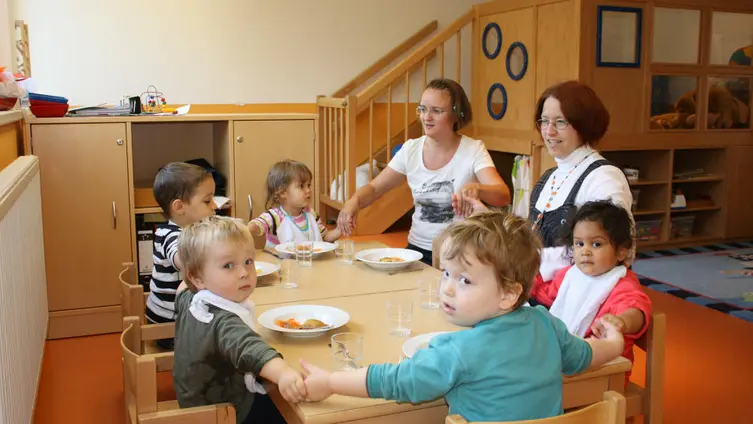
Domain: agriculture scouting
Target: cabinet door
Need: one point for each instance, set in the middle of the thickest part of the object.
(739, 208)
(86, 211)
(262, 143)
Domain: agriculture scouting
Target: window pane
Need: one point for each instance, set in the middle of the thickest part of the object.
(676, 35)
(673, 102)
(729, 100)
(731, 38)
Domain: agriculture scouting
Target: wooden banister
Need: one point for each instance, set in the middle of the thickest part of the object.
(414, 59)
(388, 58)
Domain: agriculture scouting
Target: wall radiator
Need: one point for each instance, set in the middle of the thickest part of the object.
(23, 290)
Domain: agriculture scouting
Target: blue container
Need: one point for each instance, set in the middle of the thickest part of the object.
(47, 98)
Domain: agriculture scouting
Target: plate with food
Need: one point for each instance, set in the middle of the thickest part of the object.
(319, 248)
(388, 259)
(414, 344)
(266, 268)
(304, 320)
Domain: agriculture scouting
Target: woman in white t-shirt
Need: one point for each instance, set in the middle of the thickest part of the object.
(444, 170)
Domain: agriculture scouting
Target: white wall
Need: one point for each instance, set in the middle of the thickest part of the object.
(222, 51)
(6, 35)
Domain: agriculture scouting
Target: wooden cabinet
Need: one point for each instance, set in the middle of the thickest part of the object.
(89, 168)
(258, 145)
(86, 214)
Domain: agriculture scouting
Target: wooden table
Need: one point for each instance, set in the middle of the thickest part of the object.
(328, 278)
(368, 318)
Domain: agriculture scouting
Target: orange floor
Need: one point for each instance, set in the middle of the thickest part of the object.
(709, 367)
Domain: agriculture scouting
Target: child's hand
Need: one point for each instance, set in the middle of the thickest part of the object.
(317, 382)
(255, 229)
(608, 326)
(291, 386)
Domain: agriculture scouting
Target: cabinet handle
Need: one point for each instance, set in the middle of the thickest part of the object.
(239, 139)
(114, 217)
(119, 141)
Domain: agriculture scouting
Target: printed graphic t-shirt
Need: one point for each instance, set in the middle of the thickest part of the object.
(433, 190)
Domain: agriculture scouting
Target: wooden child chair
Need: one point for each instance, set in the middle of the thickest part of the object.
(132, 296)
(611, 410)
(133, 304)
(140, 383)
(648, 400)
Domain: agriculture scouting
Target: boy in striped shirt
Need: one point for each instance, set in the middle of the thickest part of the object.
(185, 193)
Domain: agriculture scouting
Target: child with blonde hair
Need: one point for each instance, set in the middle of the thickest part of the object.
(289, 217)
(217, 353)
(508, 364)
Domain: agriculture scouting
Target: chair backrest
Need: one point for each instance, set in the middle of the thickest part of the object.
(131, 293)
(139, 373)
(611, 410)
(653, 343)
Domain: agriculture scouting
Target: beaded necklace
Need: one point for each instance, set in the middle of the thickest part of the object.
(554, 191)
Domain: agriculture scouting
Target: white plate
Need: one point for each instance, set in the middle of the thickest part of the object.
(266, 268)
(371, 258)
(319, 248)
(334, 317)
(414, 344)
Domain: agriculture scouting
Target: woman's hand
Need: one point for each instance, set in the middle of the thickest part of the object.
(465, 202)
(346, 220)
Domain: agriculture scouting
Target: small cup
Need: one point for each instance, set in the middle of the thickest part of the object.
(288, 273)
(304, 253)
(347, 349)
(345, 250)
(400, 316)
(428, 293)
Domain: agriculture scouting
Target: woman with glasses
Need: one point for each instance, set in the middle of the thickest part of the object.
(572, 119)
(445, 170)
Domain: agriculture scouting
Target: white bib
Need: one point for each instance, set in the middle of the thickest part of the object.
(581, 296)
(290, 232)
(245, 311)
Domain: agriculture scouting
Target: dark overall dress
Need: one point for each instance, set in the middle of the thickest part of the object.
(554, 222)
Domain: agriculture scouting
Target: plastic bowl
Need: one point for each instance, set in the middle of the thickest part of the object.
(49, 111)
(7, 103)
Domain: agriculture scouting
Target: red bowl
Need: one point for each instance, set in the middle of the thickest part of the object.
(7, 103)
(49, 111)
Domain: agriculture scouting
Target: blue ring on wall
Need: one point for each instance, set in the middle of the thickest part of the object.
(501, 88)
(522, 73)
(492, 26)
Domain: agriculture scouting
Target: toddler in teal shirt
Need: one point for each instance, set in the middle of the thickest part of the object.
(508, 364)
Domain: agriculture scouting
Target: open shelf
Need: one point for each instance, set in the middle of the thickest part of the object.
(695, 209)
(157, 144)
(646, 212)
(640, 183)
(146, 210)
(705, 179)
(653, 165)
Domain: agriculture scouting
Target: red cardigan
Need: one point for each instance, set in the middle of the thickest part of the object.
(625, 295)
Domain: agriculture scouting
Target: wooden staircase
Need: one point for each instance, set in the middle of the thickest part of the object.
(363, 128)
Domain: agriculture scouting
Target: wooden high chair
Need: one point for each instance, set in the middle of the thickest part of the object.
(140, 383)
(611, 410)
(648, 400)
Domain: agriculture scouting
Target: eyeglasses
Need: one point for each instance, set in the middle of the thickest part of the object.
(560, 124)
(422, 110)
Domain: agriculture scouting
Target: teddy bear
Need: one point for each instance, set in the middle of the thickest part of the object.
(725, 111)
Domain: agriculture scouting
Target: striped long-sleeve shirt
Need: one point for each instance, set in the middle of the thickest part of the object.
(160, 306)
